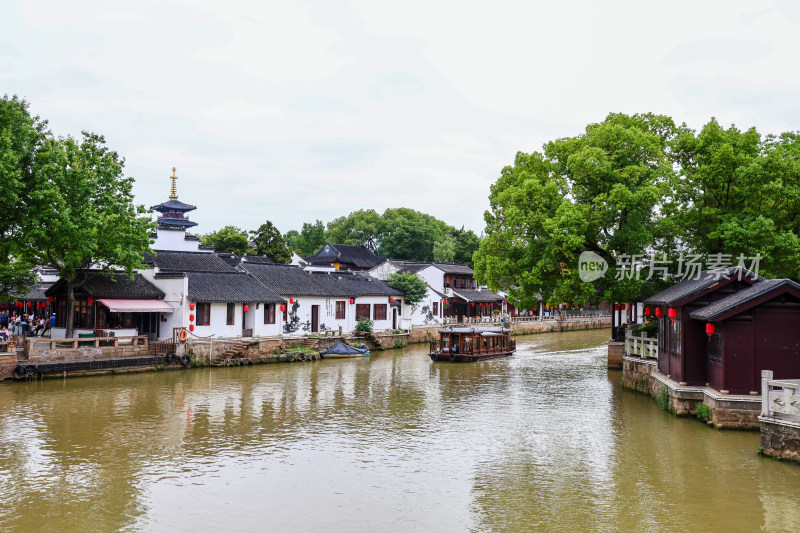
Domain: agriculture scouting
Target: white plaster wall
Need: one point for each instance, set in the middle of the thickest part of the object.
(174, 241)
(175, 291)
(422, 313)
(433, 276)
(383, 270)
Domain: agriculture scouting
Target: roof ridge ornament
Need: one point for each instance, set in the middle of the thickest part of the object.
(173, 190)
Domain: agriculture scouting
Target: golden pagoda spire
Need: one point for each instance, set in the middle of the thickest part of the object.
(173, 191)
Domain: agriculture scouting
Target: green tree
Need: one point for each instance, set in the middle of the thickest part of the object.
(411, 285)
(307, 241)
(444, 250)
(21, 138)
(359, 228)
(229, 239)
(600, 191)
(82, 213)
(739, 195)
(269, 242)
(466, 245)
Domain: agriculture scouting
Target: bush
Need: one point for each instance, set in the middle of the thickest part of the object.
(364, 325)
(702, 412)
(412, 286)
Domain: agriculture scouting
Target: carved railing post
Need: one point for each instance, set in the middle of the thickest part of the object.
(766, 377)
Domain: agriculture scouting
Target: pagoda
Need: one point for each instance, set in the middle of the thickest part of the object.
(173, 213)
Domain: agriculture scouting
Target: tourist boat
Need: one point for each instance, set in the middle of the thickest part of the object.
(472, 344)
(340, 350)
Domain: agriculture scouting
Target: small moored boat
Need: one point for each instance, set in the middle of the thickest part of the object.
(340, 350)
(472, 344)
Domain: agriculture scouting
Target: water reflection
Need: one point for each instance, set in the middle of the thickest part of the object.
(541, 441)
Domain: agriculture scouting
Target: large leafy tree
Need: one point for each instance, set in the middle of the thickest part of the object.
(466, 245)
(739, 195)
(269, 241)
(229, 239)
(307, 241)
(359, 228)
(600, 191)
(21, 138)
(82, 213)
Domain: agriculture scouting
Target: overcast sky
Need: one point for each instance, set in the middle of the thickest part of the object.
(293, 111)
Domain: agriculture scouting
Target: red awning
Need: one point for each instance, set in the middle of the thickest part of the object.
(135, 306)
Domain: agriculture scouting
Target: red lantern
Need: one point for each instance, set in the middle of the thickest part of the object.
(616, 307)
(51, 299)
(191, 318)
(647, 311)
(391, 300)
(191, 327)
(622, 306)
(352, 301)
(90, 300)
(673, 312)
(659, 311)
(283, 308)
(191, 307)
(710, 329)
(291, 300)
(246, 308)
(472, 304)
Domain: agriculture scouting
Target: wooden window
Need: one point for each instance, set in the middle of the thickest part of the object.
(269, 313)
(675, 337)
(231, 314)
(435, 308)
(379, 312)
(204, 314)
(340, 309)
(362, 310)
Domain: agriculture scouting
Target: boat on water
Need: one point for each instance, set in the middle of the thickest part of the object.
(460, 345)
(341, 350)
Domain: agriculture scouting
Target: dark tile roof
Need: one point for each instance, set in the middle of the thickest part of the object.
(168, 261)
(705, 279)
(289, 280)
(742, 298)
(357, 284)
(482, 295)
(454, 268)
(228, 287)
(117, 285)
(260, 259)
(190, 237)
(229, 257)
(173, 205)
(34, 292)
(358, 256)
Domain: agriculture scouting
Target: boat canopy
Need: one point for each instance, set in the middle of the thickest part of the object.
(341, 349)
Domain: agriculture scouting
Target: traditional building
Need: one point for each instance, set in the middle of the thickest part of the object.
(682, 342)
(749, 331)
(322, 301)
(173, 222)
(111, 304)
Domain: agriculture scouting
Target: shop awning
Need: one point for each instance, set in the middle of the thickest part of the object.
(116, 305)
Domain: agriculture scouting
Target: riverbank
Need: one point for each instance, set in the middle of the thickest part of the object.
(45, 358)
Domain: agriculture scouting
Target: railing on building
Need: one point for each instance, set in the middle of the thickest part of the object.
(780, 398)
(640, 345)
(498, 320)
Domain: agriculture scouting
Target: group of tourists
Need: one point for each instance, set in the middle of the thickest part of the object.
(23, 324)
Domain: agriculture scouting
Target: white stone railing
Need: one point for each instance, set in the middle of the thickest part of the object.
(640, 345)
(780, 397)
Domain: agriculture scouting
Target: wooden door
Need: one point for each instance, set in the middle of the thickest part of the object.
(314, 318)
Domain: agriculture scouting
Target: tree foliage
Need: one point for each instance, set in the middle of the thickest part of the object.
(269, 241)
(21, 138)
(82, 213)
(229, 239)
(411, 285)
(307, 241)
(599, 191)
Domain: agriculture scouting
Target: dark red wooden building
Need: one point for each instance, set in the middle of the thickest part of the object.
(681, 340)
(756, 329)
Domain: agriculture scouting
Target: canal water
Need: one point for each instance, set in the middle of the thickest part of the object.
(543, 441)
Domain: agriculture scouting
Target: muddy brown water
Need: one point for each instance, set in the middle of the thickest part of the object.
(543, 441)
